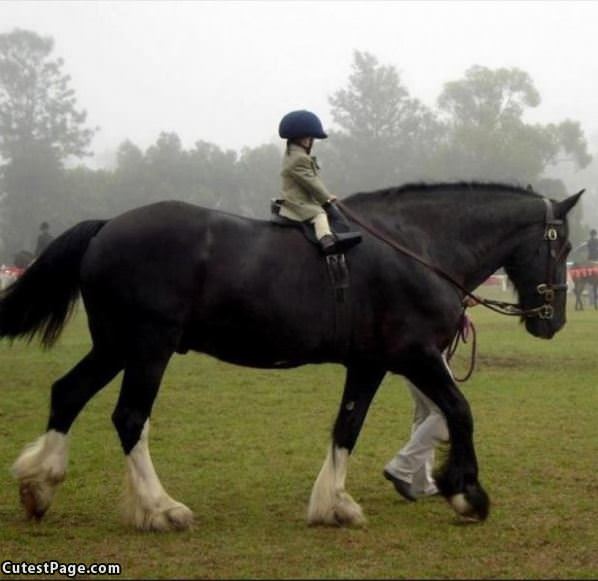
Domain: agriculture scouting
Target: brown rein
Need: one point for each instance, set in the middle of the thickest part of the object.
(501, 307)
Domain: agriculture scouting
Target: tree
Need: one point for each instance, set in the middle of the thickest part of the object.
(487, 137)
(89, 195)
(386, 137)
(37, 106)
(131, 178)
(169, 170)
(40, 126)
(215, 176)
(259, 179)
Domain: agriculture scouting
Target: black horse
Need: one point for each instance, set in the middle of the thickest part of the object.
(172, 277)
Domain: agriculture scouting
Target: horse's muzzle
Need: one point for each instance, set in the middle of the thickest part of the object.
(544, 328)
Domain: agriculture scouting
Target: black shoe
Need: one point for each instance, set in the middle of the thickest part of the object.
(402, 487)
(328, 244)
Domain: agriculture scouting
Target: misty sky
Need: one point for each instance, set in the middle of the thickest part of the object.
(226, 72)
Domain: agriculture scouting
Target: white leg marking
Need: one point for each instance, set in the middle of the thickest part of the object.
(329, 503)
(40, 468)
(148, 506)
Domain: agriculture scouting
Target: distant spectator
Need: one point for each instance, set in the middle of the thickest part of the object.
(592, 244)
(591, 247)
(43, 239)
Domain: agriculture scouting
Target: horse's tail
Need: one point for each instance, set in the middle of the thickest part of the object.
(42, 299)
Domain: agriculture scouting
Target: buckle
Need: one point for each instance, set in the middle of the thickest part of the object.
(546, 312)
(551, 234)
(546, 291)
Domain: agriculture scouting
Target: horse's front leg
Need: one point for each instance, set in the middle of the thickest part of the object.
(457, 479)
(330, 504)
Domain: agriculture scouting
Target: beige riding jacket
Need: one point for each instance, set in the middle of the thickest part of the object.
(303, 192)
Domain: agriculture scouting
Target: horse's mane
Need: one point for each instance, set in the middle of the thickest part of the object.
(457, 187)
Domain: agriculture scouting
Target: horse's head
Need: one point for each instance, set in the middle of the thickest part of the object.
(538, 269)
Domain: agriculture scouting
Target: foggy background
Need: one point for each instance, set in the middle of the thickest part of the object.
(186, 98)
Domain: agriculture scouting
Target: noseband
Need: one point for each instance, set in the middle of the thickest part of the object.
(546, 289)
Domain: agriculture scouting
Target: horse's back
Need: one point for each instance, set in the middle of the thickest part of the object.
(149, 241)
(209, 272)
(164, 235)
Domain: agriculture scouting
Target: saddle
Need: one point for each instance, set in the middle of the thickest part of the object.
(345, 237)
(338, 268)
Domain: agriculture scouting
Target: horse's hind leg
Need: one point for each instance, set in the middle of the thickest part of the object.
(41, 467)
(330, 504)
(457, 480)
(147, 505)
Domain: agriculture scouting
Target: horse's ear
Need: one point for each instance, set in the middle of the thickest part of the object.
(564, 207)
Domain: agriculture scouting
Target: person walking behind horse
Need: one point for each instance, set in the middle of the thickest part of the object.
(303, 192)
(411, 469)
(43, 239)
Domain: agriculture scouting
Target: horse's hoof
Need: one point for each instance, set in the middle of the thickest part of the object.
(348, 513)
(174, 518)
(34, 501)
(472, 505)
(180, 518)
(39, 469)
(345, 512)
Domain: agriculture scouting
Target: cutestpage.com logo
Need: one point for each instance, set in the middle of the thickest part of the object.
(56, 568)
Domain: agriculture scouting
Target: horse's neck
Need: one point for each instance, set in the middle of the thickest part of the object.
(469, 237)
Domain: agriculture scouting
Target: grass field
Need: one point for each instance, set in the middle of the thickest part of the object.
(242, 448)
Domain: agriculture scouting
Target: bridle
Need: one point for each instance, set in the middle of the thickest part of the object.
(547, 290)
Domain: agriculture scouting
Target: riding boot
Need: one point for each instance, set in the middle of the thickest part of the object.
(345, 237)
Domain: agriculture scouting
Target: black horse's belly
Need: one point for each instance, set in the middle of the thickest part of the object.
(254, 332)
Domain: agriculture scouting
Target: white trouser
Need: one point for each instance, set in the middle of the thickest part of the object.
(414, 462)
(321, 225)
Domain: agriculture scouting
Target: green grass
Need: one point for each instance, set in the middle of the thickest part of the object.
(242, 447)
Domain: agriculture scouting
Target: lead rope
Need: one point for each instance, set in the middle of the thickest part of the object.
(465, 327)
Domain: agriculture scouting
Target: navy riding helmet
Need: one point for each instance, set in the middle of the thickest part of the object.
(302, 123)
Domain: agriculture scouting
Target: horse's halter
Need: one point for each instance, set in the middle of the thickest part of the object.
(546, 289)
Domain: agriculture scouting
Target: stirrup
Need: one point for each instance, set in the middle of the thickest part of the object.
(346, 240)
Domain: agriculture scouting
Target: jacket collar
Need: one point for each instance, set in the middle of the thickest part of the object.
(293, 147)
